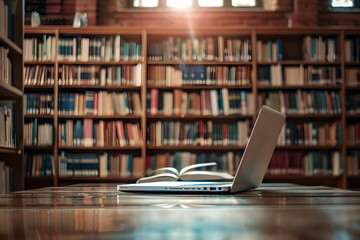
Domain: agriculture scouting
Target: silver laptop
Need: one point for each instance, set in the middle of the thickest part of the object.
(251, 169)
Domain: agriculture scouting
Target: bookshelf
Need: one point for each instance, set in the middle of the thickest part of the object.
(11, 93)
(330, 66)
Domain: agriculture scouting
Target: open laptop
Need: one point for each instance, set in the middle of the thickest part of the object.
(251, 169)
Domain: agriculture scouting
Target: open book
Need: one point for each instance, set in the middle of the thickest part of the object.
(172, 174)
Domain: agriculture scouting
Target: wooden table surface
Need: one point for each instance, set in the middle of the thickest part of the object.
(98, 211)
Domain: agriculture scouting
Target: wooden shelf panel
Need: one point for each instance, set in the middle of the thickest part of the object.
(5, 41)
(324, 116)
(94, 148)
(352, 63)
(227, 63)
(9, 150)
(353, 115)
(100, 117)
(306, 147)
(299, 62)
(95, 87)
(100, 30)
(39, 87)
(40, 30)
(9, 92)
(199, 87)
(99, 62)
(199, 148)
(353, 147)
(43, 116)
(181, 116)
(353, 88)
(39, 62)
(39, 178)
(98, 178)
(44, 148)
(336, 87)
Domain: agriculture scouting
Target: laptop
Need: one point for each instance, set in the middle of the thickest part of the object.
(251, 169)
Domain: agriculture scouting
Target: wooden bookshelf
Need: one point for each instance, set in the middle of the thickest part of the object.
(292, 39)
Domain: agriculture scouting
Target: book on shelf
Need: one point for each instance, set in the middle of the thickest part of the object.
(100, 103)
(353, 161)
(86, 133)
(352, 76)
(320, 48)
(353, 133)
(40, 48)
(38, 134)
(207, 48)
(76, 75)
(7, 19)
(352, 49)
(39, 75)
(101, 165)
(199, 75)
(213, 102)
(277, 75)
(269, 50)
(6, 178)
(198, 133)
(187, 174)
(35, 103)
(353, 102)
(225, 162)
(301, 101)
(305, 163)
(7, 127)
(112, 48)
(39, 165)
(5, 67)
(311, 134)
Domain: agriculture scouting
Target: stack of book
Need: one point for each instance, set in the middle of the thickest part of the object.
(311, 133)
(39, 103)
(353, 159)
(40, 49)
(302, 102)
(352, 49)
(6, 178)
(129, 75)
(353, 134)
(99, 103)
(86, 133)
(353, 103)
(269, 51)
(199, 133)
(7, 131)
(39, 75)
(208, 102)
(199, 75)
(39, 165)
(201, 49)
(112, 48)
(5, 66)
(320, 48)
(104, 165)
(38, 134)
(308, 164)
(7, 20)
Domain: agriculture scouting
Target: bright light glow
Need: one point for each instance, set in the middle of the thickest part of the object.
(213, 3)
(146, 3)
(243, 3)
(179, 3)
(342, 3)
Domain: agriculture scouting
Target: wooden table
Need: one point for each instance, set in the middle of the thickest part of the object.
(90, 211)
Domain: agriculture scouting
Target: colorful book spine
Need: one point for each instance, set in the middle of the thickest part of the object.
(38, 134)
(39, 104)
(7, 127)
(40, 49)
(5, 67)
(39, 165)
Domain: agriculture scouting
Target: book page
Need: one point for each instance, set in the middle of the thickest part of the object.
(159, 177)
(199, 165)
(206, 175)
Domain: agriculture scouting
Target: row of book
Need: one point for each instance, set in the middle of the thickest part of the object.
(352, 76)
(39, 165)
(6, 178)
(353, 161)
(201, 49)
(7, 130)
(353, 102)
(5, 66)
(100, 103)
(353, 133)
(269, 51)
(206, 102)
(320, 48)
(38, 134)
(276, 75)
(40, 49)
(129, 75)
(198, 133)
(7, 20)
(102, 165)
(302, 101)
(86, 133)
(352, 49)
(307, 164)
(39, 75)
(112, 48)
(311, 133)
(199, 75)
(227, 162)
(35, 103)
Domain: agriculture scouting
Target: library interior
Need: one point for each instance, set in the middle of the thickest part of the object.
(100, 93)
